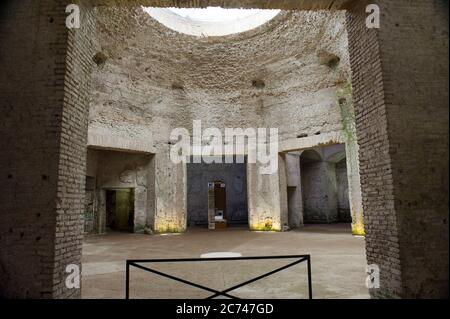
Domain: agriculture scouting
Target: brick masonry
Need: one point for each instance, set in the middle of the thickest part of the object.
(44, 102)
(414, 62)
(400, 93)
(401, 103)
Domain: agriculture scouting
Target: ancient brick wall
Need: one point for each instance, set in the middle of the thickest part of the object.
(44, 82)
(375, 163)
(72, 151)
(414, 60)
(32, 75)
(402, 127)
(33, 55)
(401, 104)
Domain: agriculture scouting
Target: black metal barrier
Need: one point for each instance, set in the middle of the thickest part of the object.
(216, 293)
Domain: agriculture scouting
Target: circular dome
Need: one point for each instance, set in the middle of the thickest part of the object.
(211, 21)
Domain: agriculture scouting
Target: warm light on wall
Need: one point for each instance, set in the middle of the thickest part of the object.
(166, 225)
(266, 225)
(358, 225)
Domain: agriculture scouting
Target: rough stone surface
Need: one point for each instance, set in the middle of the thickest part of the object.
(156, 79)
(416, 97)
(342, 193)
(44, 84)
(400, 95)
(118, 170)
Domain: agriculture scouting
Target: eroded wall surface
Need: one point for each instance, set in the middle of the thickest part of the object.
(319, 187)
(397, 70)
(294, 190)
(344, 214)
(120, 170)
(150, 80)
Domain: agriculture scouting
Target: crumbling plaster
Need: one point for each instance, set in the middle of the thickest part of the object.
(120, 170)
(153, 79)
(400, 90)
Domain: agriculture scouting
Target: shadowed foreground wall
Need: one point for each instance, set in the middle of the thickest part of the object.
(121, 170)
(44, 81)
(400, 121)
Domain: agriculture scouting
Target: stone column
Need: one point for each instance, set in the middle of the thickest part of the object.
(170, 194)
(101, 212)
(293, 181)
(267, 198)
(352, 159)
(44, 84)
(354, 188)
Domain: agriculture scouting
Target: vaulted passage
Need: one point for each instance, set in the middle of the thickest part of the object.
(117, 191)
(343, 129)
(324, 183)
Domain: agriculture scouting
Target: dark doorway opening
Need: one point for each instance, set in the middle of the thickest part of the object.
(220, 200)
(217, 205)
(231, 199)
(120, 210)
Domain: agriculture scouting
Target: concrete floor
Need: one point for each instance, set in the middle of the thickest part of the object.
(338, 263)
